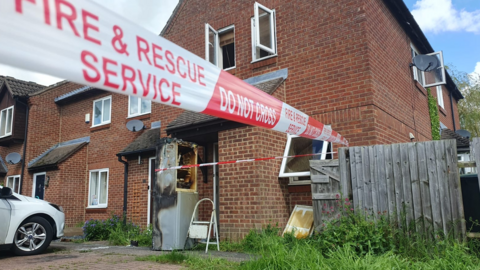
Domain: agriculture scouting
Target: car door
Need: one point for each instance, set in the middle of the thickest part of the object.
(5, 213)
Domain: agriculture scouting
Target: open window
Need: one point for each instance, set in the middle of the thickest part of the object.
(264, 38)
(432, 78)
(298, 168)
(6, 120)
(220, 46)
(437, 76)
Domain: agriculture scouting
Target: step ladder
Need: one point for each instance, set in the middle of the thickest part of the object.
(200, 230)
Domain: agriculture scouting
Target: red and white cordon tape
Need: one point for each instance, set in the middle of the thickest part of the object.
(81, 41)
(236, 161)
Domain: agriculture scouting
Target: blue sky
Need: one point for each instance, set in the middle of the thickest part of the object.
(452, 26)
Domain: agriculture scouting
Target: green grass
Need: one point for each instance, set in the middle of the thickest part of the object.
(191, 262)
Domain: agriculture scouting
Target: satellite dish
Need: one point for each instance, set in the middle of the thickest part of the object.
(135, 125)
(13, 158)
(426, 62)
(463, 133)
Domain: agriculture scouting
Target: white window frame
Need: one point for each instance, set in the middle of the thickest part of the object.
(139, 107)
(208, 28)
(256, 34)
(12, 178)
(11, 121)
(442, 66)
(440, 96)
(99, 171)
(93, 115)
(218, 50)
(284, 160)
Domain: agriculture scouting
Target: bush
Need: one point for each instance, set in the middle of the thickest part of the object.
(116, 231)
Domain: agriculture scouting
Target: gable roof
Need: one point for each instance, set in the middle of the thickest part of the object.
(404, 18)
(19, 88)
(58, 153)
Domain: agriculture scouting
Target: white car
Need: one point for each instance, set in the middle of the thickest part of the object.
(28, 225)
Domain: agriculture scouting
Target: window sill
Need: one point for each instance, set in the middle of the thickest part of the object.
(420, 88)
(139, 117)
(264, 62)
(104, 126)
(4, 136)
(231, 70)
(442, 110)
(96, 210)
(299, 188)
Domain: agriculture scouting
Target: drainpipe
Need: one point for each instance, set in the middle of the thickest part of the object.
(453, 115)
(125, 186)
(24, 144)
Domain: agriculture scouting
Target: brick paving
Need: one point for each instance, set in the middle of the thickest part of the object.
(98, 256)
(76, 260)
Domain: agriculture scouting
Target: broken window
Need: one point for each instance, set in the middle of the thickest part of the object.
(220, 46)
(101, 111)
(264, 38)
(298, 168)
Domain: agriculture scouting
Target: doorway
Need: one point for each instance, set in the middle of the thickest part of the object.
(38, 190)
(151, 178)
(216, 187)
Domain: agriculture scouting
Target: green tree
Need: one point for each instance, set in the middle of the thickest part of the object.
(468, 108)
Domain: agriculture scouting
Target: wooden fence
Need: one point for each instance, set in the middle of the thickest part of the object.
(413, 181)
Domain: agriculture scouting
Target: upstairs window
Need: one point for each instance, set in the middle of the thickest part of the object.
(101, 111)
(220, 46)
(6, 121)
(138, 106)
(264, 37)
(298, 168)
(440, 96)
(432, 78)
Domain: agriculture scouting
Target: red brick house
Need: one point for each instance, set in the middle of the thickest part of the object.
(346, 63)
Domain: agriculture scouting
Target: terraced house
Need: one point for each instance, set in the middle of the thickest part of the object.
(346, 63)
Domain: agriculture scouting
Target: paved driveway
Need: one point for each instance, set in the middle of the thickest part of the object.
(97, 256)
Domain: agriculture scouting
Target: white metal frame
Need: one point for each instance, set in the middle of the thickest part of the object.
(271, 16)
(6, 118)
(208, 28)
(198, 229)
(440, 96)
(35, 183)
(149, 188)
(139, 107)
(103, 110)
(105, 205)
(284, 160)
(12, 178)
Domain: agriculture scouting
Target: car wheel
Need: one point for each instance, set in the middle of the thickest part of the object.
(32, 237)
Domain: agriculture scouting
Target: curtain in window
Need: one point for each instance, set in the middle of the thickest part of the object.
(94, 188)
(103, 187)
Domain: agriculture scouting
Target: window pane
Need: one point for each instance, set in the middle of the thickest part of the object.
(9, 121)
(133, 105)
(265, 28)
(106, 110)
(3, 121)
(146, 106)
(94, 188)
(97, 114)
(17, 185)
(302, 146)
(10, 182)
(103, 187)
(212, 52)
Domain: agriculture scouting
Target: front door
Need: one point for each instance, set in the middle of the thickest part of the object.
(38, 185)
(216, 187)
